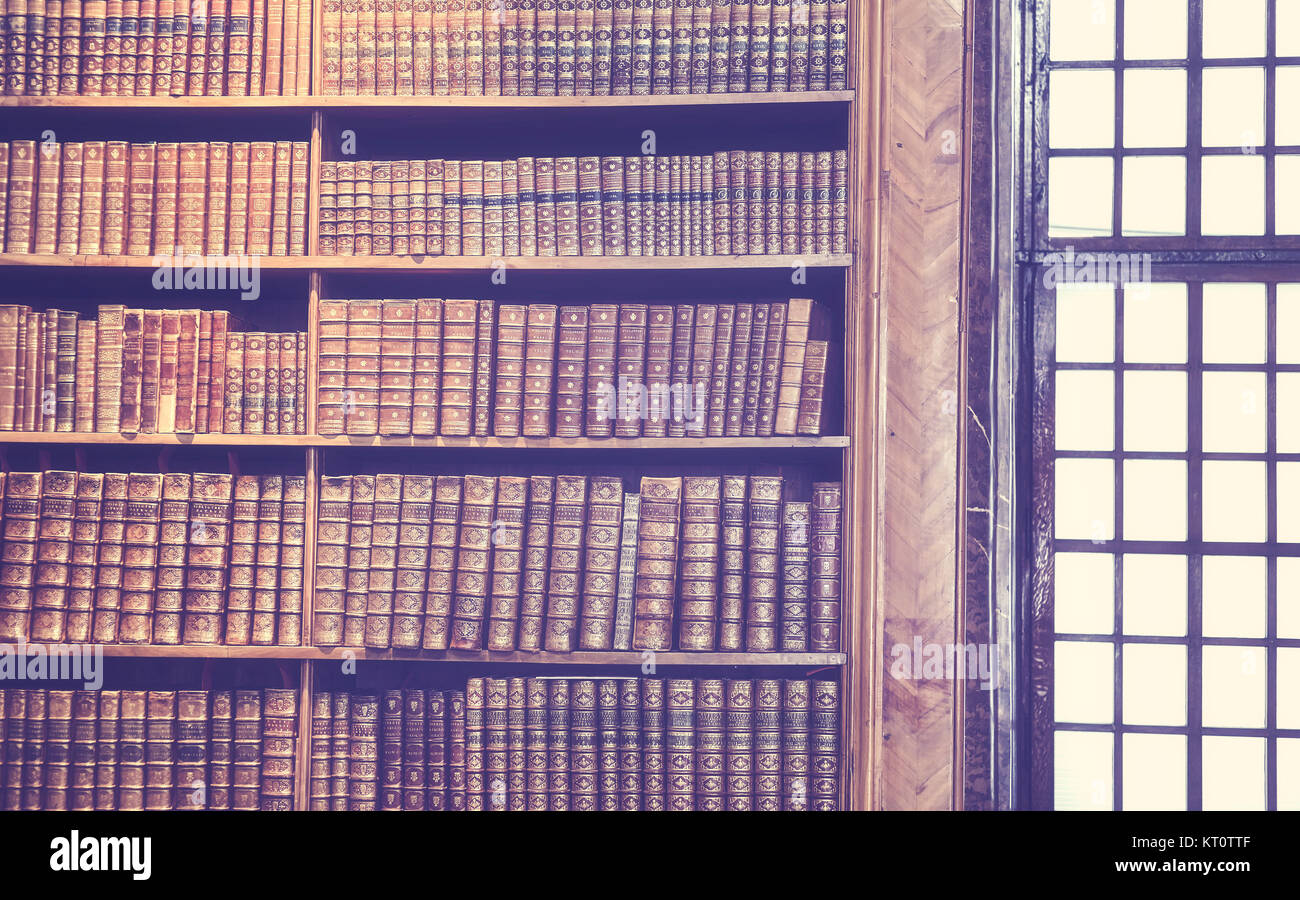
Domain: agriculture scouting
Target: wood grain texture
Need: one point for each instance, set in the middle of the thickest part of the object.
(921, 265)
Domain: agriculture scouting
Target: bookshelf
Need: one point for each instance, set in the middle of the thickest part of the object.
(852, 279)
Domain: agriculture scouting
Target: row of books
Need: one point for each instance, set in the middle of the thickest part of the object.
(138, 199)
(156, 750)
(124, 48)
(707, 744)
(582, 47)
(577, 562)
(175, 371)
(461, 367)
(152, 558)
(728, 202)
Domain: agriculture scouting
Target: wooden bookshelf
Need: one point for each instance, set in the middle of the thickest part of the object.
(494, 443)
(375, 264)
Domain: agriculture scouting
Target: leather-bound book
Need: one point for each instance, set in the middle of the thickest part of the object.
(208, 558)
(191, 199)
(509, 394)
(187, 348)
(131, 370)
(600, 575)
(262, 164)
(460, 328)
(634, 205)
(537, 750)
(655, 385)
(47, 361)
(390, 750)
(768, 718)
(53, 556)
(332, 47)
(547, 43)
(340, 749)
(607, 735)
(233, 372)
(344, 209)
(539, 370)
(813, 389)
(527, 28)
(698, 378)
(754, 370)
(85, 387)
(694, 167)
(318, 784)
(361, 399)
(510, 203)
(680, 749)
(58, 750)
(654, 745)
(760, 41)
(493, 205)
(293, 382)
(624, 602)
(731, 585)
(140, 557)
(396, 366)
(544, 204)
(151, 370)
(45, 223)
(837, 45)
(81, 773)
(382, 579)
(427, 366)
(658, 532)
(332, 367)
(770, 373)
(796, 525)
(718, 57)
(602, 375)
(456, 746)
(218, 190)
(507, 561)
(289, 48)
(327, 209)
(824, 742)
(444, 541)
(839, 201)
(537, 549)
(822, 207)
(762, 601)
(794, 745)
(266, 576)
(107, 731)
(242, 572)
(363, 753)
(612, 211)
(367, 48)
(661, 51)
(173, 538)
(281, 196)
(710, 744)
(203, 373)
(566, 206)
(642, 52)
(516, 774)
(743, 332)
(779, 43)
(131, 750)
(619, 21)
(824, 590)
(168, 359)
(111, 549)
(571, 372)
(69, 199)
(699, 568)
(333, 515)
(350, 50)
(424, 41)
(631, 368)
(22, 193)
(494, 744)
(679, 205)
(805, 319)
(799, 38)
(360, 529)
(217, 375)
(15, 714)
(279, 740)
(414, 749)
(415, 517)
(739, 754)
(109, 367)
(471, 205)
(435, 771)
(160, 750)
(564, 584)
(84, 550)
(720, 374)
(190, 775)
(451, 206)
(559, 753)
(629, 743)
(683, 399)
(381, 209)
(178, 69)
(34, 734)
(473, 561)
(11, 316)
(583, 767)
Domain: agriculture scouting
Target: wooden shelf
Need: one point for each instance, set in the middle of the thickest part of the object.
(455, 263)
(423, 102)
(314, 440)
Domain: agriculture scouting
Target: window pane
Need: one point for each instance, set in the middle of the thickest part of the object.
(1287, 121)
(1288, 27)
(1085, 499)
(1232, 107)
(1288, 412)
(1155, 771)
(1288, 772)
(1232, 195)
(1155, 108)
(1235, 412)
(1232, 501)
(1155, 29)
(1082, 29)
(1085, 322)
(1081, 108)
(1155, 195)
(1288, 513)
(1232, 687)
(1233, 596)
(1084, 770)
(1084, 686)
(1233, 773)
(1084, 593)
(1288, 597)
(1155, 595)
(1155, 684)
(1286, 194)
(1155, 411)
(1155, 500)
(1085, 410)
(1155, 322)
(1235, 324)
(1079, 196)
(1233, 28)
(1288, 687)
(1288, 323)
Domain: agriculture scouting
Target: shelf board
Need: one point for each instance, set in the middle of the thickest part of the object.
(183, 651)
(455, 263)
(74, 438)
(423, 102)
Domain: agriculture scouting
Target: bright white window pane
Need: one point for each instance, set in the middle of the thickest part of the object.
(1233, 773)
(1155, 108)
(1155, 595)
(1085, 593)
(1085, 410)
(1081, 108)
(1288, 764)
(1155, 771)
(1155, 195)
(1232, 687)
(1155, 322)
(1084, 770)
(1085, 499)
(1288, 687)
(1155, 500)
(1082, 29)
(1234, 412)
(1232, 501)
(1155, 411)
(1234, 317)
(1085, 322)
(1232, 195)
(1286, 190)
(1233, 28)
(1288, 323)
(1288, 510)
(1232, 107)
(1084, 675)
(1288, 411)
(1288, 597)
(1079, 196)
(1155, 684)
(1287, 123)
(1288, 27)
(1155, 29)
(1233, 590)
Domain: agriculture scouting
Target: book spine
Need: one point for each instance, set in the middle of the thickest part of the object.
(165, 206)
(768, 721)
(428, 366)
(658, 531)
(91, 203)
(360, 534)
(799, 16)
(770, 375)
(240, 599)
(819, 45)
(147, 47)
(571, 375)
(65, 370)
(739, 757)
(457, 389)
(824, 590)
(68, 229)
(168, 358)
(559, 754)
(173, 534)
(564, 585)
(631, 369)
(160, 750)
(180, 44)
(508, 399)
(363, 753)
(361, 397)
(762, 565)
(659, 406)
(140, 557)
(423, 47)
(642, 51)
(720, 371)
(779, 44)
(456, 751)
(85, 386)
(600, 575)
(508, 550)
(654, 745)
(731, 595)
(537, 544)
(473, 561)
(824, 745)
(266, 574)
(53, 546)
(547, 42)
(217, 420)
(443, 546)
(273, 68)
(623, 611)
(710, 745)
(391, 710)
(719, 71)
(435, 770)
(396, 366)
(516, 744)
(332, 47)
(539, 370)
(743, 332)
(629, 744)
(318, 785)
(698, 578)
(81, 782)
(293, 528)
(191, 203)
(108, 571)
(701, 44)
(794, 746)
(197, 65)
(607, 784)
(90, 81)
(340, 704)
(350, 50)
(483, 361)
(411, 561)
(45, 221)
(582, 742)
(331, 570)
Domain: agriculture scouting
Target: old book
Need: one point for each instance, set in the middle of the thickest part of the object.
(318, 785)
(742, 336)
(456, 751)
(495, 695)
(698, 580)
(414, 750)
(415, 516)
(45, 222)
(739, 754)
(564, 582)
(53, 553)
(629, 743)
(360, 530)
(630, 384)
(218, 190)
(435, 772)
(697, 379)
(293, 527)
(131, 749)
(796, 523)
(218, 421)
(824, 589)
(428, 366)
(382, 578)
(544, 225)
(84, 554)
(654, 745)
(173, 538)
(81, 781)
(254, 382)
(160, 750)
(812, 391)
(340, 756)
(571, 375)
(731, 585)
(606, 748)
(680, 745)
(361, 397)
(108, 572)
(536, 750)
(600, 575)
(333, 515)
(266, 574)
(710, 744)
(221, 750)
(684, 404)
(795, 745)
(191, 198)
(473, 561)
(65, 370)
(150, 369)
(165, 206)
(190, 755)
(768, 722)
(799, 36)
(559, 716)
(91, 228)
(140, 557)
(396, 366)
(720, 373)
(516, 743)
(207, 558)
(567, 242)
(602, 399)
(246, 751)
(824, 756)
(537, 545)
(539, 370)
(762, 603)
(509, 394)
(242, 574)
(804, 319)
(460, 329)
(444, 544)
(109, 366)
(69, 203)
(363, 753)
(657, 405)
(475, 716)
(622, 636)
(583, 791)
(290, 387)
(333, 401)
(658, 531)
(391, 710)
(332, 47)
(168, 362)
(770, 373)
